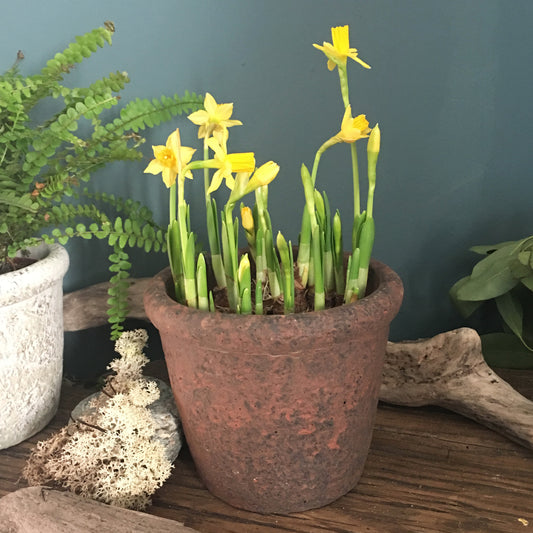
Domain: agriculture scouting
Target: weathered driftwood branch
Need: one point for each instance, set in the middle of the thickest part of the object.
(87, 307)
(447, 370)
(40, 509)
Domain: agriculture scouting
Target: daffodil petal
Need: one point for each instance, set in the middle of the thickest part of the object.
(169, 176)
(186, 154)
(215, 145)
(173, 142)
(224, 111)
(159, 150)
(199, 117)
(210, 104)
(154, 167)
(215, 182)
(230, 181)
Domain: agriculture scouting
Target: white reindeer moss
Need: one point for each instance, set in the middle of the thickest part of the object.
(110, 455)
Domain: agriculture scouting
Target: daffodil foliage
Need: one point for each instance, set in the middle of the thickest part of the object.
(320, 252)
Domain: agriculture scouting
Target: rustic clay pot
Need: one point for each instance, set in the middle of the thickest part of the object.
(277, 410)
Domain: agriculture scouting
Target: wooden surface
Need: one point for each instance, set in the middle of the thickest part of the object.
(428, 470)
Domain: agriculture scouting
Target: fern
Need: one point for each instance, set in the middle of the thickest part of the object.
(42, 165)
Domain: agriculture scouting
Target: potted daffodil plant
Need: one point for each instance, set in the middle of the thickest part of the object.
(274, 352)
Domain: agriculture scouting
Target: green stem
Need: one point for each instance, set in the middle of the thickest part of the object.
(172, 203)
(343, 78)
(317, 161)
(206, 173)
(355, 177)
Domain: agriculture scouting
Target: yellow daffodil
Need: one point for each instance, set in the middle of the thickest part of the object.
(214, 119)
(352, 128)
(338, 52)
(227, 164)
(170, 159)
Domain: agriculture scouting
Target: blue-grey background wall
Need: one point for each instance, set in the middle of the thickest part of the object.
(450, 85)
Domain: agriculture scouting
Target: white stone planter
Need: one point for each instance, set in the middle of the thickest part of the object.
(31, 344)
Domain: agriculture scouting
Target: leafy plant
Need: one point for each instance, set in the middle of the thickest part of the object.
(505, 276)
(42, 165)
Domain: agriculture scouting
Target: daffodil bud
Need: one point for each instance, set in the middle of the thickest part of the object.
(247, 219)
(244, 268)
(374, 140)
(262, 176)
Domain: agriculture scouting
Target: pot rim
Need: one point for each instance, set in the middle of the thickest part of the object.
(386, 297)
(51, 266)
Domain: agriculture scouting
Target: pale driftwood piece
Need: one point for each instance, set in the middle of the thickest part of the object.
(87, 307)
(41, 510)
(449, 371)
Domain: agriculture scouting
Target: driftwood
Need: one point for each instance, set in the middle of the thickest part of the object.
(87, 307)
(41, 510)
(447, 370)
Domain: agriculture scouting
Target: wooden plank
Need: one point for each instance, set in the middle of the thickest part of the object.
(38, 509)
(429, 470)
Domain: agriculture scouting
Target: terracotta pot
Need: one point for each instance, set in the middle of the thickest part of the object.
(31, 344)
(277, 410)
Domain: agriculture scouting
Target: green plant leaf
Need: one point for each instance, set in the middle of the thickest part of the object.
(512, 313)
(491, 277)
(504, 350)
(485, 249)
(528, 282)
(465, 307)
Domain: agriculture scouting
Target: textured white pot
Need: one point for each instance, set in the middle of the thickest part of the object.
(31, 344)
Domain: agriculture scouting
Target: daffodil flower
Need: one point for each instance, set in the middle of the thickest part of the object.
(227, 164)
(214, 120)
(338, 52)
(170, 159)
(353, 129)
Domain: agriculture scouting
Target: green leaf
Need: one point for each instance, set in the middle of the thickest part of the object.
(504, 350)
(528, 282)
(485, 249)
(465, 307)
(512, 313)
(491, 277)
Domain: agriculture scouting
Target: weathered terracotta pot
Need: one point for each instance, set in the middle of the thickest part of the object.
(277, 410)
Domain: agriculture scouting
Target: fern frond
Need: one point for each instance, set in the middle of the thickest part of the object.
(25, 202)
(84, 46)
(142, 113)
(118, 290)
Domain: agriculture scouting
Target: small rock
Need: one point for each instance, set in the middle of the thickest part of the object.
(164, 413)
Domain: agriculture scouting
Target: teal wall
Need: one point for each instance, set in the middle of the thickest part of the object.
(451, 87)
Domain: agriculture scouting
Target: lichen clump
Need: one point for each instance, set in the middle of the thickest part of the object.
(110, 454)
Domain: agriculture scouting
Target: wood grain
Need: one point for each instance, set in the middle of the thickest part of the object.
(429, 470)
